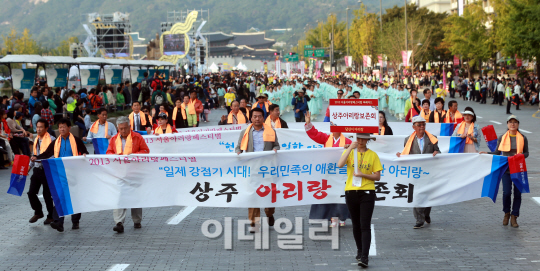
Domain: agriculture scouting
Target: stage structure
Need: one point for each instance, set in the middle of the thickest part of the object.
(109, 35)
(181, 41)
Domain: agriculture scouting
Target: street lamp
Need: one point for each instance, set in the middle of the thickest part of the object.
(347, 9)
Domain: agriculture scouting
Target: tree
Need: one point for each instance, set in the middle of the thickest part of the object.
(321, 38)
(518, 32)
(467, 35)
(63, 48)
(20, 44)
(364, 35)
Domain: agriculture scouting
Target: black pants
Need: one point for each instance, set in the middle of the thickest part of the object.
(508, 105)
(501, 98)
(484, 96)
(361, 204)
(20, 144)
(452, 92)
(302, 118)
(75, 218)
(495, 97)
(38, 179)
(228, 109)
(517, 101)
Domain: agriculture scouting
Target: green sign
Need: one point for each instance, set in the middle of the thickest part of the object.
(308, 53)
(293, 58)
(308, 46)
(319, 53)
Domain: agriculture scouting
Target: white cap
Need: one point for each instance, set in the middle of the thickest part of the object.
(418, 119)
(467, 112)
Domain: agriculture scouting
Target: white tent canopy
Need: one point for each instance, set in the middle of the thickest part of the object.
(37, 59)
(213, 67)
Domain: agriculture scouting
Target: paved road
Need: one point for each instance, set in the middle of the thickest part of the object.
(463, 236)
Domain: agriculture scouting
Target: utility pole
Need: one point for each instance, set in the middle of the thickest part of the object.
(347, 10)
(332, 47)
(406, 34)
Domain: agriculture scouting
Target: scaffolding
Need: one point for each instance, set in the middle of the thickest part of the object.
(108, 34)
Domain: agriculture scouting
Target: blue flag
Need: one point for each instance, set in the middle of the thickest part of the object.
(100, 145)
(141, 132)
(447, 129)
(457, 144)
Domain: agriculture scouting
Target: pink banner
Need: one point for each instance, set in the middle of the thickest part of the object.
(365, 61)
(456, 60)
(404, 58)
(519, 62)
(381, 68)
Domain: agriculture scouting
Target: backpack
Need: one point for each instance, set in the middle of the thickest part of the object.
(145, 93)
(158, 99)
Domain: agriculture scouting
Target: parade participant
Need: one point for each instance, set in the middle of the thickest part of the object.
(138, 120)
(124, 143)
(244, 108)
(229, 97)
(66, 145)
(179, 119)
(262, 104)
(425, 112)
(384, 128)
(439, 114)
(509, 144)
(409, 103)
(196, 105)
(101, 128)
(414, 111)
(163, 126)
(428, 96)
(235, 116)
(300, 105)
(192, 118)
(327, 211)
(468, 129)
(453, 115)
(41, 143)
(257, 137)
(441, 92)
(273, 119)
(420, 142)
(360, 191)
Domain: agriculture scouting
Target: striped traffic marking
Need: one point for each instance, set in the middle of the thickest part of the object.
(496, 122)
(118, 267)
(525, 131)
(178, 217)
(373, 247)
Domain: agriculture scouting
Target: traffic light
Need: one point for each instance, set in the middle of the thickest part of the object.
(276, 53)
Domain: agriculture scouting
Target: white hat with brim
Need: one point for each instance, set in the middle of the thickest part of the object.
(467, 112)
(365, 136)
(418, 119)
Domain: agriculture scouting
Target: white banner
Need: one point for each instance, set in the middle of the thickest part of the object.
(263, 179)
(289, 139)
(217, 128)
(398, 128)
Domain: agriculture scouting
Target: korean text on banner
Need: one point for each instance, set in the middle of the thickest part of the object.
(261, 179)
(354, 115)
(18, 175)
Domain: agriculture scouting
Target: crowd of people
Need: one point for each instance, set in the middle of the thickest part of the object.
(158, 106)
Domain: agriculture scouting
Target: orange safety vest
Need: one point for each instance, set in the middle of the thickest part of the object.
(457, 116)
(95, 127)
(159, 130)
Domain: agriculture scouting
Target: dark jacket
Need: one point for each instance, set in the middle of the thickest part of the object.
(427, 148)
(81, 148)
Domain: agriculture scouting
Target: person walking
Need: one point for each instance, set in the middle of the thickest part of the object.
(509, 144)
(420, 142)
(468, 129)
(257, 137)
(360, 191)
(124, 143)
(300, 105)
(66, 145)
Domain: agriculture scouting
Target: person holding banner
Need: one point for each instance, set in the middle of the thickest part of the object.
(101, 128)
(327, 211)
(360, 191)
(273, 118)
(235, 116)
(468, 129)
(179, 118)
(138, 120)
(420, 142)
(41, 143)
(511, 143)
(66, 145)
(258, 136)
(126, 142)
(384, 128)
(163, 126)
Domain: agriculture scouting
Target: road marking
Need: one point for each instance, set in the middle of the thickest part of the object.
(525, 131)
(496, 122)
(373, 247)
(40, 196)
(321, 264)
(536, 113)
(479, 117)
(536, 199)
(178, 217)
(118, 267)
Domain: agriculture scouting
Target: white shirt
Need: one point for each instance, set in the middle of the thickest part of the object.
(500, 88)
(101, 131)
(420, 144)
(258, 141)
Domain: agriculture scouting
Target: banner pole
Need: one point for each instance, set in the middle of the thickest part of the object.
(355, 161)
